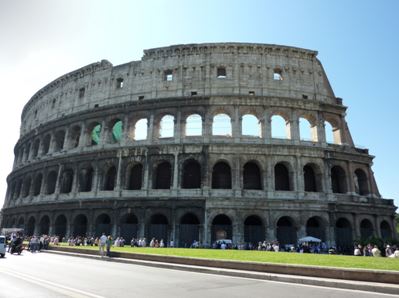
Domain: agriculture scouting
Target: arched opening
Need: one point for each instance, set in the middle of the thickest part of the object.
(188, 230)
(85, 179)
(361, 183)
(163, 176)
(21, 223)
(66, 181)
(307, 132)
(37, 184)
(191, 175)
(333, 133)
(286, 231)
(254, 231)
(135, 177)
(221, 176)
(386, 232)
(311, 180)
(116, 132)
(252, 177)
(158, 228)
(250, 126)
(60, 227)
(59, 140)
(366, 229)
(27, 151)
(129, 226)
(338, 180)
(26, 187)
(194, 125)
(46, 144)
(167, 126)
(110, 179)
(280, 127)
(221, 228)
(51, 182)
(281, 177)
(221, 125)
(74, 136)
(44, 225)
(95, 134)
(30, 228)
(343, 236)
(140, 130)
(315, 228)
(35, 149)
(80, 225)
(103, 225)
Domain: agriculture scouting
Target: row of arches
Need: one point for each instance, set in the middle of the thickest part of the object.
(192, 177)
(113, 131)
(190, 226)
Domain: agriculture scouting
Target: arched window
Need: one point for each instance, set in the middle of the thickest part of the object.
(135, 177)
(280, 128)
(37, 184)
(333, 133)
(386, 231)
(51, 182)
(194, 125)
(46, 144)
(95, 134)
(361, 182)
(252, 176)
(286, 231)
(85, 179)
(314, 228)
(66, 181)
(281, 177)
(305, 130)
(221, 125)
(312, 181)
(163, 176)
(338, 180)
(221, 176)
(35, 149)
(26, 187)
(191, 175)
(116, 132)
(221, 227)
(59, 140)
(251, 126)
(110, 179)
(140, 130)
(166, 127)
(74, 137)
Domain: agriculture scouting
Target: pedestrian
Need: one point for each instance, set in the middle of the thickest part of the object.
(108, 245)
(101, 244)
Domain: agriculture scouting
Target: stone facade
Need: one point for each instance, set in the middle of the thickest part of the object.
(83, 166)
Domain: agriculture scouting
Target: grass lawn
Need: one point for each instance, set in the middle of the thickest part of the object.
(264, 257)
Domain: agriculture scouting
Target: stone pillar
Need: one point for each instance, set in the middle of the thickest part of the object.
(175, 171)
(82, 138)
(377, 230)
(293, 132)
(125, 131)
(104, 133)
(349, 178)
(356, 227)
(150, 131)
(177, 127)
(119, 172)
(207, 127)
(298, 175)
(267, 128)
(321, 130)
(236, 125)
(146, 165)
(59, 180)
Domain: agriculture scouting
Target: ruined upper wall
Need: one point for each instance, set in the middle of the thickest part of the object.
(249, 70)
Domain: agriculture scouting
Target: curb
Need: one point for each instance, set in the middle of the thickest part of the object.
(385, 288)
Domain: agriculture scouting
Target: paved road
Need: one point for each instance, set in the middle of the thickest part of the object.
(46, 275)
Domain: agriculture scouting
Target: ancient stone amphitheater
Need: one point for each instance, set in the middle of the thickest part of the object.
(195, 142)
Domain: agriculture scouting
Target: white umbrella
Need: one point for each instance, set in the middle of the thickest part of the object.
(309, 239)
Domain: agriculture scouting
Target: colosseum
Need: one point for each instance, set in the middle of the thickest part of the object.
(195, 142)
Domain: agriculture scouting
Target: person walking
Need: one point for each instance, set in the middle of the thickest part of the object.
(108, 246)
(101, 244)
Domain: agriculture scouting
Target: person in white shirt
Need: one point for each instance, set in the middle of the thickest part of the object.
(101, 244)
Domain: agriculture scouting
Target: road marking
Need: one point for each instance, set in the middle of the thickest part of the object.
(65, 290)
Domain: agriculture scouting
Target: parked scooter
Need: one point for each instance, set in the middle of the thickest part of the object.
(16, 246)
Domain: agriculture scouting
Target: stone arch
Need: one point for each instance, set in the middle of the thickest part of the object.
(254, 229)
(222, 227)
(167, 126)
(221, 176)
(103, 224)
(315, 227)
(30, 227)
(51, 182)
(312, 178)
(46, 144)
(59, 139)
(115, 132)
(93, 134)
(80, 225)
(366, 229)
(338, 180)
(135, 177)
(129, 226)
(188, 229)
(44, 225)
(21, 223)
(332, 130)
(344, 235)
(26, 186)
(286, 231)
(35, 148)
(163, 176)
(37, 184)
(251, 126)
(158, 227)
(280, 126)
(66, 181)
(60, 226)
(282, 177)
(191, 174)
(86, 179)
(386, 231)
(361, 182)
(252, 177)
(193, 126)
(140, 129)
(221, 125)
(74, 136)
(109, 182)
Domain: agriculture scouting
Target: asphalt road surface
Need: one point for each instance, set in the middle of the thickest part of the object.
(37, 275)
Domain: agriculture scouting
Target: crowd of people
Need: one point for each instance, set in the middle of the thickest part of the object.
(370, 250)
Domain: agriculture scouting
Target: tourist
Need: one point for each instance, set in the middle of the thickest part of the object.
(375, 251)
(101, 244)
(108, 244)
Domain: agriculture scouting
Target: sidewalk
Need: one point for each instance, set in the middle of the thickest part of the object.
(387, 288)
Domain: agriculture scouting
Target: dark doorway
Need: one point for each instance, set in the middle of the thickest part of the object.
(60, 227)
(30, 228)
(281, 177)
(80, 225)
(286, 231)
(191, 174)
(221, 176)
(314, 228)
(44, 225)
(366, 229)
(129, 227)
(386, 232)
(254, 231)
(188, 230)
(103, 225)
(110, 179)
(252, 177)
(85, 179)
(163, 176)
(158, 228)
(338, 180)
(310, 178)
(343, 236)
(221, 228)
(135, 177)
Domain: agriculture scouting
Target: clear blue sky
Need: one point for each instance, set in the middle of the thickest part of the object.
(357, 41)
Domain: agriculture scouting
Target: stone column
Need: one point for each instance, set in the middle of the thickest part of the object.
(104, 133)
(176, 171)
(267, 128)
(321, 130)
(236, 127)
(294, 128)
(83, 134)
(177, 127)
(150, 131)
(119, 172)
(59, 180)
(349, 178)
